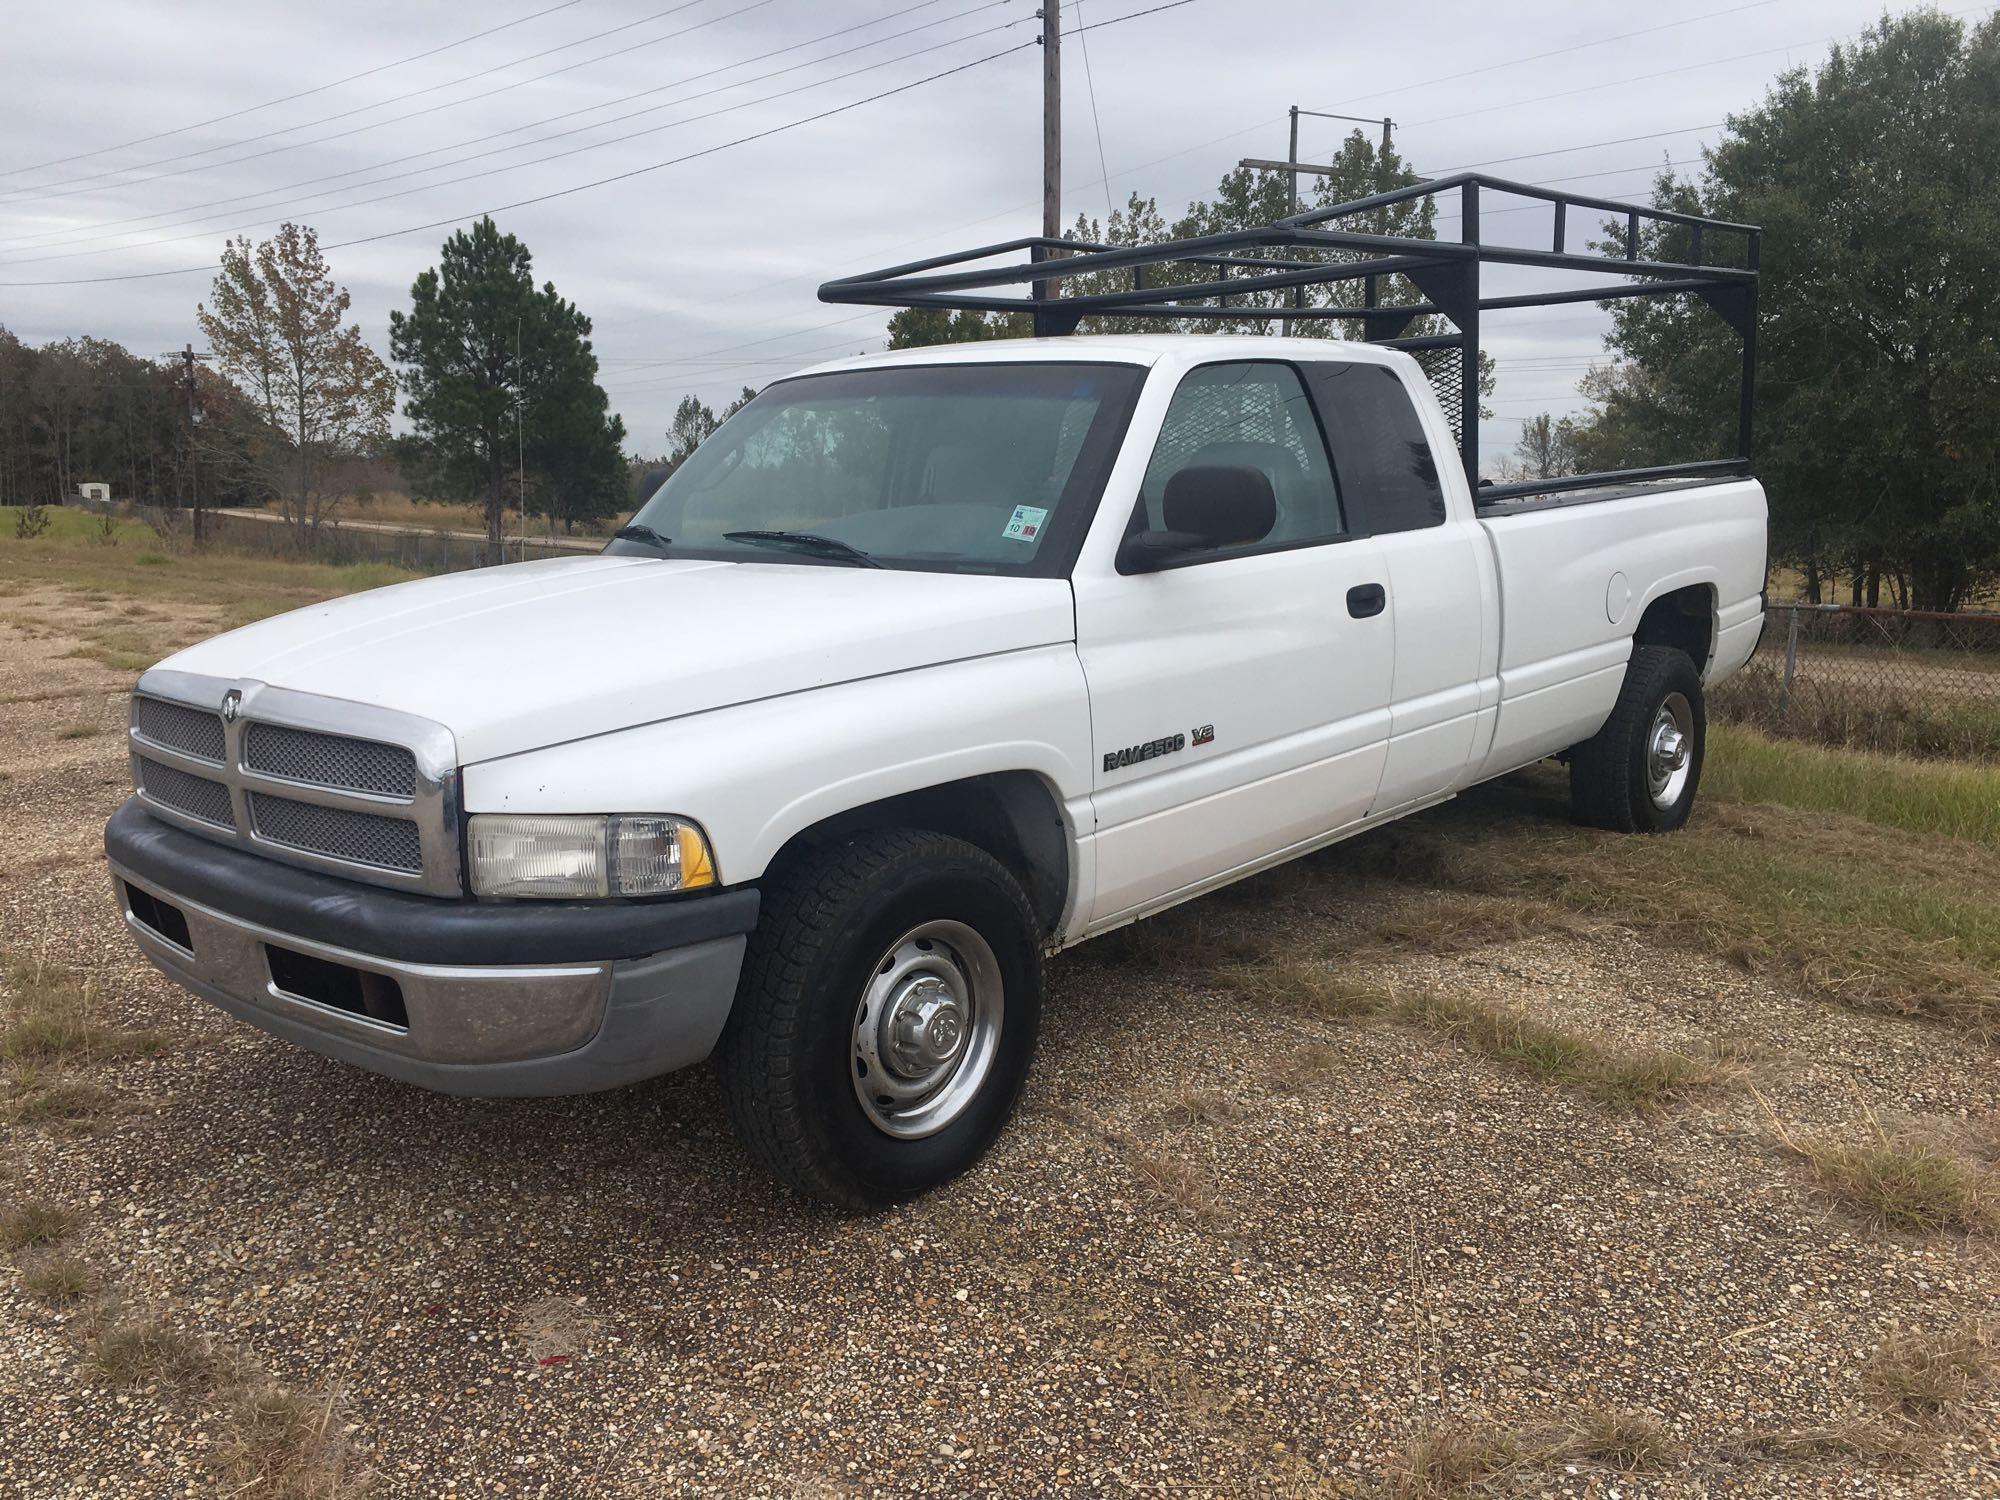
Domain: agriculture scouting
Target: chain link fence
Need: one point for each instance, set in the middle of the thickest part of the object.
(1907, 681)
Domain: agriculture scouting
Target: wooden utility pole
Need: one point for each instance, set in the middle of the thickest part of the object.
(1051, 15)
(187, 355)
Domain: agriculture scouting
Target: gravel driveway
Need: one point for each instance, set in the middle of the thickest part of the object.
(1226, 1249)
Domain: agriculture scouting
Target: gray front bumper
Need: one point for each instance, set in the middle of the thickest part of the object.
(543, 1029)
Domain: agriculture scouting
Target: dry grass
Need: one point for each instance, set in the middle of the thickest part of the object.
(1177, 1180)
(1195, 1105)
(52, 1019)
(1869, 1438)
(34, 1221)
(149, 1350)
(67, 1100)
(1926, 1375)
(1305, 1067)
(1626, 1078)
(284, 1445)
(60, 1279)
(1453, 1458)
(1907, 1182)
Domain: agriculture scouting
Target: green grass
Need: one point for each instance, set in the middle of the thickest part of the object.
(243, 587)
(1946, 722)
(1928, 797)
(1865, 914)
(1616, 1076)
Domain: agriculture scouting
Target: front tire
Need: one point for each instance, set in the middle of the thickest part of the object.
(886, 1016)
(1639, 773)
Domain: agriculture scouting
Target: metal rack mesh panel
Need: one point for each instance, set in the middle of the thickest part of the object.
(1442, 367)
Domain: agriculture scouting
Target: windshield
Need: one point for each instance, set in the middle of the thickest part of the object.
(957, 468)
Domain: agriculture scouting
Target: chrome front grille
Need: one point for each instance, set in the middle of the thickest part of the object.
(193, 731)
(196, 796)
(369, 793)
(338, 832)
(330, 760)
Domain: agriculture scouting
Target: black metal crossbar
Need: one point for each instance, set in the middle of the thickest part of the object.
(1445, 274)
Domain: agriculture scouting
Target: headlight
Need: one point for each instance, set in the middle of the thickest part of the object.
(579, 857)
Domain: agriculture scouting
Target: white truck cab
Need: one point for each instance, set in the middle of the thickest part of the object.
(955, 657)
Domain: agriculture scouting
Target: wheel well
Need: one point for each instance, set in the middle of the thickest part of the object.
(1012, 815)
(1684, 619)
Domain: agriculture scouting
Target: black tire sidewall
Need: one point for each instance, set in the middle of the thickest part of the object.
(1670, 671)
(883, 1168)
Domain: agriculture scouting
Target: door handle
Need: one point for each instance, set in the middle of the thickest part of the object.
(1366, 599)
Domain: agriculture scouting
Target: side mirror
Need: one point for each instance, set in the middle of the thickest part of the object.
(1149, 551)
(1205, 508)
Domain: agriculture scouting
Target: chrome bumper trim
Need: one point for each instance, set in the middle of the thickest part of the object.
(456, 1014)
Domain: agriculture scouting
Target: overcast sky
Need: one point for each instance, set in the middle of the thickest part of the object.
(701, 274)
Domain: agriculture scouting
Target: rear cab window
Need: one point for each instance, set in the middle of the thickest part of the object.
(1388, 473)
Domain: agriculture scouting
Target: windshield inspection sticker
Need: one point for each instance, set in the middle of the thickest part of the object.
(1025, 524)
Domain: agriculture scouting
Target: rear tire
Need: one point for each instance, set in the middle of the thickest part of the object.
(1639, 773)
(886, 1016)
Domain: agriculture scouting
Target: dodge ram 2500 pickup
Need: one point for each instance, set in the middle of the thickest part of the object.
(925, 666)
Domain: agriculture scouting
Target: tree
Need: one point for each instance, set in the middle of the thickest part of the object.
(278, 326)
(77, 410)
(1877, 182)
(693, 424)
(1547, 449)
(497, 370)
(1244, 199)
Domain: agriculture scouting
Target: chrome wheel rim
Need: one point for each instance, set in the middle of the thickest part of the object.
(1670, 751)
(927, 1029)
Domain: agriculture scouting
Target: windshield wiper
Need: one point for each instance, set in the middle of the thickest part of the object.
(808, 542)
(639, 531)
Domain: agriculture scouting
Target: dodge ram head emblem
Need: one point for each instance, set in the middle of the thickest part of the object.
(232, 705)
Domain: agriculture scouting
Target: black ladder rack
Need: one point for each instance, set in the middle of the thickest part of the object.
(1446, 274)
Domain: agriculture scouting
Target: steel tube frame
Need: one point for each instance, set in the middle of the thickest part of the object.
(1445, 273)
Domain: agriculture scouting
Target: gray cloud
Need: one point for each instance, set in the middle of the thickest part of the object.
(701, 276)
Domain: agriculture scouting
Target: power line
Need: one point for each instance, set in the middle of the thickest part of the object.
(742, 140)
(394, 99)
(97, 229)
(1096, 124)
(333, 208)
(251, 109)
(616, 176)
(1514, 62)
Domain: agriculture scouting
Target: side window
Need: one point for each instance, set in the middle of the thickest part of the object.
(1252, 415)
(1388, 474)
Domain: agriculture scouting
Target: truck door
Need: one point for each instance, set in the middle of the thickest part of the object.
(1239, 696)
(1439, 572)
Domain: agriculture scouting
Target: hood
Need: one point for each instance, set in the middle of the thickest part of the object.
(515, 658)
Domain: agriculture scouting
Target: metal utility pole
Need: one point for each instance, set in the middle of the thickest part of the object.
(1297, 168)
(1051, 16)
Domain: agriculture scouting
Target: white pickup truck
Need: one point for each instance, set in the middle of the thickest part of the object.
(925, 666)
